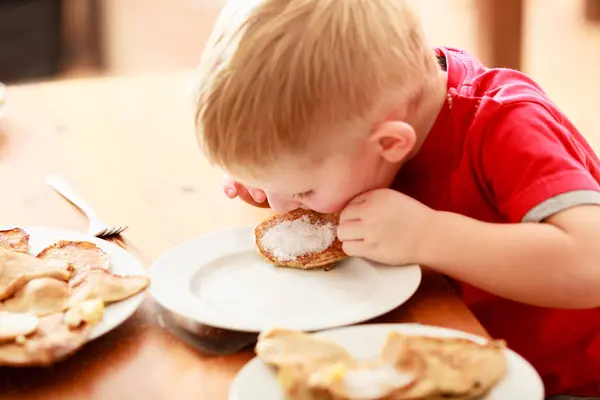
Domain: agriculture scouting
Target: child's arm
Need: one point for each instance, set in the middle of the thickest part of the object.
(536, 167)
(553, 264)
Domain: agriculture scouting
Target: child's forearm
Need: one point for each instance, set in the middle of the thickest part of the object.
(534, 263)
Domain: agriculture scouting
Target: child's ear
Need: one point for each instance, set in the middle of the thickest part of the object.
(394, 140)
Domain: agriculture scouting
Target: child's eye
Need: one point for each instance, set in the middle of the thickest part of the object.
(303, 195)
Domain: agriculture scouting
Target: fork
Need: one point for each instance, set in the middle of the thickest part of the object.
(97, 227)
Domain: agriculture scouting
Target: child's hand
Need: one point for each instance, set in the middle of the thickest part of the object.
(233, 189)
(384, 226)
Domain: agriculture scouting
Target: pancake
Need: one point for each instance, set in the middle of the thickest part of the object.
(454, 368)
(15, 239)
(42, 296)
(309, 367)
(301, 239)
(82, 255)
(16, 269)
(101, 284)
(13, 325)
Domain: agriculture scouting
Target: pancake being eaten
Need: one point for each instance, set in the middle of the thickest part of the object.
(301, 239)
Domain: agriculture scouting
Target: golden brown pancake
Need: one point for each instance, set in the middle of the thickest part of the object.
(101, 284)
(280, 347)
(295, 355)
(42, 296)
(16, 269)
(454, 368)
(82, 255)
(301, 239)
(14, 240)
(52, 341)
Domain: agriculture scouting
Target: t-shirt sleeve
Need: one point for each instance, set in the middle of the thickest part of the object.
(536, 165)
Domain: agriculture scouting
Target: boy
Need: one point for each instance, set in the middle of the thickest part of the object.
(433, 159)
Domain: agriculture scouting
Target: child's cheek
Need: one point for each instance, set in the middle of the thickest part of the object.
(325, 207)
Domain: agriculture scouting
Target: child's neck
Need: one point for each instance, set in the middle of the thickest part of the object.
(422, 116)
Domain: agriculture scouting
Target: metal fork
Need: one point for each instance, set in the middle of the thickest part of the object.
(97, 227)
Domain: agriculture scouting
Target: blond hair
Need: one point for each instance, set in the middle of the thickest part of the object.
(276, 74)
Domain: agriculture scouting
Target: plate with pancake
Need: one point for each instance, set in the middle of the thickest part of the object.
(289, 271)
(60, 289)
(384, 361)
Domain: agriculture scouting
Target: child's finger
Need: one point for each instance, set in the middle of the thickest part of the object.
(350, 230)
(258, 195)
(354, 248)
(229, 187)
(244, 194)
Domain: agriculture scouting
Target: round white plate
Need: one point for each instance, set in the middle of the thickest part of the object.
(121, 263)
(257, 381)
(220, 280)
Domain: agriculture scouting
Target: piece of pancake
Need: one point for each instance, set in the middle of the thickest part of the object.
(89, 311)
(295, 356)
(15, 239)
(279, 347)
(42, 296)
(14, 325)
(101, 284)
(301, 239)
(454, 368)
(82, 255)
(16, 269)
(51, 342)
(309, 367)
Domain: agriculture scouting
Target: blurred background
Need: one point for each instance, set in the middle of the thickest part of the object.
(555, 41)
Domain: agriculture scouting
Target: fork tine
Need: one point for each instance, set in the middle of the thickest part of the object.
(120, 229)
(115, 230)
(100, 234)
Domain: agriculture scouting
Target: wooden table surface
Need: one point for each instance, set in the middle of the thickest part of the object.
(127, 145)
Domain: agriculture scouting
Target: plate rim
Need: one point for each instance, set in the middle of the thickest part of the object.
(134, 302)
(254, 362)
(158, 294)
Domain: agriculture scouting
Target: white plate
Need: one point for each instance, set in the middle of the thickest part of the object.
(257, 381)
(121, 263)
(220, 280)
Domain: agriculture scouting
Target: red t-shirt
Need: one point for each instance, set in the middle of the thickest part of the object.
(501, 151)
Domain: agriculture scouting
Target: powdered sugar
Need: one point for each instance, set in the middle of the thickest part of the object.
(289, 240)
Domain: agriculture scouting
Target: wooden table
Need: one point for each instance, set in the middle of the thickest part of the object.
(127, 145)
(500, 32)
